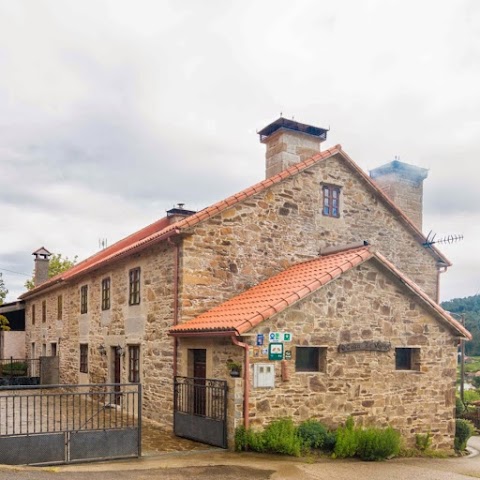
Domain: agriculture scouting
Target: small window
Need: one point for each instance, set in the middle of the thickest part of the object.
(84, 299)
(59, 307)
(134, 283)
(84, 358)
(331, 201)
(311, 359)
(53, 349)
(33, 314)
(407, 359)
(106, 293)
(134, 363)
(44, 311)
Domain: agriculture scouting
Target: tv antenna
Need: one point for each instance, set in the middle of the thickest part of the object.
(102, 243)
(449, 239)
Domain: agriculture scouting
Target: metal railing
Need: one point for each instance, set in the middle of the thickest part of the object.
(19, 367)
(69, 408)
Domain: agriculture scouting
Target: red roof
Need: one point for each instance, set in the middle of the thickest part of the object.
(245, 311)
(161, 229)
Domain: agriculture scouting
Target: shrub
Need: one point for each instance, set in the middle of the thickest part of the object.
(281, 436)
(463, 431)
(423, 441)
(377, 443)
(471, 396)
(459, 407)
(346, 440)
(15, 368)
(313, 434)
(476, 382)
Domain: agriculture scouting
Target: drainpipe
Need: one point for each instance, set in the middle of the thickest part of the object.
(176, 262)
(246, 381)
(440, 269)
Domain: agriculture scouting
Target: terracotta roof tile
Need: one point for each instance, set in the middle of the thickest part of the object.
(243, 312)
(248, 309)
(161, 229)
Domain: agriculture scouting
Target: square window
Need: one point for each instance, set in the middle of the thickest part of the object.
(84, 358)
(134, 286)
(84, 299)
(311, 359)
(407, 359)
(134, 363)
(331, 201)
(106, 293)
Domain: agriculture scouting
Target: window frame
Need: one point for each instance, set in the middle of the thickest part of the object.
(331, 200)
(316, 364)
(134, 363)
(106, 293)
(84, 299)
(407, 359)
(44, 311)
(59, 307)
(134, 276)
(83, 358)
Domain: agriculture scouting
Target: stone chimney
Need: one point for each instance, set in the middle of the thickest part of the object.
(403, 183)
(41, 265)
(289, 142)
(177, 213)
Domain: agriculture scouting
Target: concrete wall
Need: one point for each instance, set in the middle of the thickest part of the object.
(12, 344)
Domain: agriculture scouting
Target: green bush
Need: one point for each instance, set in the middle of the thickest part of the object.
(280, 436)
(423, 441)
(15, 368)
(463, 431)
(471, 396)
(368, 444)
(476, 382)
(314, 434)
(377, 443)
(459, 407)
(346, 440)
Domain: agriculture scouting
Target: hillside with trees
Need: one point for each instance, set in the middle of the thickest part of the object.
(470, 307)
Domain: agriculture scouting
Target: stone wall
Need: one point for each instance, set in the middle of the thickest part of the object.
(12, 344)
(145, 325)
(366, 303)
(283, 225)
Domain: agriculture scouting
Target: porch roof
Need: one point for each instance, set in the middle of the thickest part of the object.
(240, 314)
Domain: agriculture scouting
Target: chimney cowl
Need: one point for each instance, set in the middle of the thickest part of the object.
(289, 142)
(41, 261)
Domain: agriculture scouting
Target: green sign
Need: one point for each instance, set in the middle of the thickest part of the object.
(275, 351)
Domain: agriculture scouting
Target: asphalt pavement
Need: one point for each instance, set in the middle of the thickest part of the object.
(218, 464)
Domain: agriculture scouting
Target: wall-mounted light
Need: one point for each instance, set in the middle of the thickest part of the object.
(102, 350)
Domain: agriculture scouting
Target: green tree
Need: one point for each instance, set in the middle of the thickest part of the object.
(4, 324)
(57, 265)
(3, 289)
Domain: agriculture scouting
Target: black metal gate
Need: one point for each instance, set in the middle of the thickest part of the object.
(69, 423)
(200, 410)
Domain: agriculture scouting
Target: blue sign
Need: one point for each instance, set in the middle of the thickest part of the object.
(260, 339)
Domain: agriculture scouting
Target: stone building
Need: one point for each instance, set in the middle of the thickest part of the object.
(315, 280)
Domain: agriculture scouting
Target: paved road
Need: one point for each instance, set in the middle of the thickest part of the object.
(221, 465)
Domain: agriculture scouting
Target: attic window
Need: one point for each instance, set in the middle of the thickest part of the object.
(331, 201)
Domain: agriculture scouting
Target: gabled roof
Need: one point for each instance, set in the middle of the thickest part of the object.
(161, 229)
(245, 311)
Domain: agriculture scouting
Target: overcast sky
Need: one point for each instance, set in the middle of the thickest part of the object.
(111, 112)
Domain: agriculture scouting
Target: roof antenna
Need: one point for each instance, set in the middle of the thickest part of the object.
(102, 243)
(449, 239)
